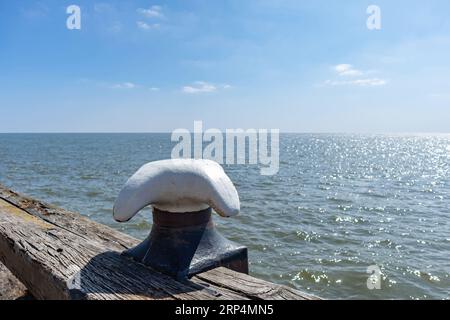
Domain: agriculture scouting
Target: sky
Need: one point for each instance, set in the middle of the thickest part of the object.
(155, 66)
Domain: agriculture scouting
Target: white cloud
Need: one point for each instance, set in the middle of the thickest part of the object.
(342, 67)
(199, 87)
(368, 82)
(373, 82)
(104, 84)
(204, 87)
(123, 85)
(146, 26)
(154, 89)
(347, 70)
(152, 12)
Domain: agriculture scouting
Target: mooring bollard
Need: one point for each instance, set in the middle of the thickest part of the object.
(183, 240)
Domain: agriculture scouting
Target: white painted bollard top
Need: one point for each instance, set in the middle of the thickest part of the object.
(178, 186)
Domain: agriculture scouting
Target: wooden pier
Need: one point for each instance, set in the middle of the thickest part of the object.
(48, 249)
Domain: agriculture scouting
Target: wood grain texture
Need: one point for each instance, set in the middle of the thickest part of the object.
(70, 221)
(250, 287)
(58, 254)
(10, 287)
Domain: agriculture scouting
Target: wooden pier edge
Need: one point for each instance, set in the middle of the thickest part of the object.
(58, 254)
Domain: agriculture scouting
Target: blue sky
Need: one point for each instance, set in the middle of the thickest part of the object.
(298, 66)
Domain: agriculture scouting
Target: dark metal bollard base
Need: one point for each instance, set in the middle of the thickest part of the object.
(184, 244)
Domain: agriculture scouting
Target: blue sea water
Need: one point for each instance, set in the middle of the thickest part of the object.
(339, 204)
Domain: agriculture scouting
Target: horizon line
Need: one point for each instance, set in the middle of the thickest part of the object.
(281, 132)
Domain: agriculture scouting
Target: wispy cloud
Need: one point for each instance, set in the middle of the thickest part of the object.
(347, 70)
(199, 87)
(203, 87)
(152, 12)
(109, 85)
(358, 77)
(147, 26)
(368, 82)
(126, 85)
(123, 85)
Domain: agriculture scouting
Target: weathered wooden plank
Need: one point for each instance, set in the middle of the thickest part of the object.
(10, 287)
(46, 257)
(251, 287)
(44, 246)
(71, 221)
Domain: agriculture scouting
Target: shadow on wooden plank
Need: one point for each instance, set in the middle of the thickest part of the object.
(112, 274)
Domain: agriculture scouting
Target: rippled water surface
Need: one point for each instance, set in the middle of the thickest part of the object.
(339, 204)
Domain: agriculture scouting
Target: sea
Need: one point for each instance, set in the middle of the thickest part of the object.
(347, 216)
